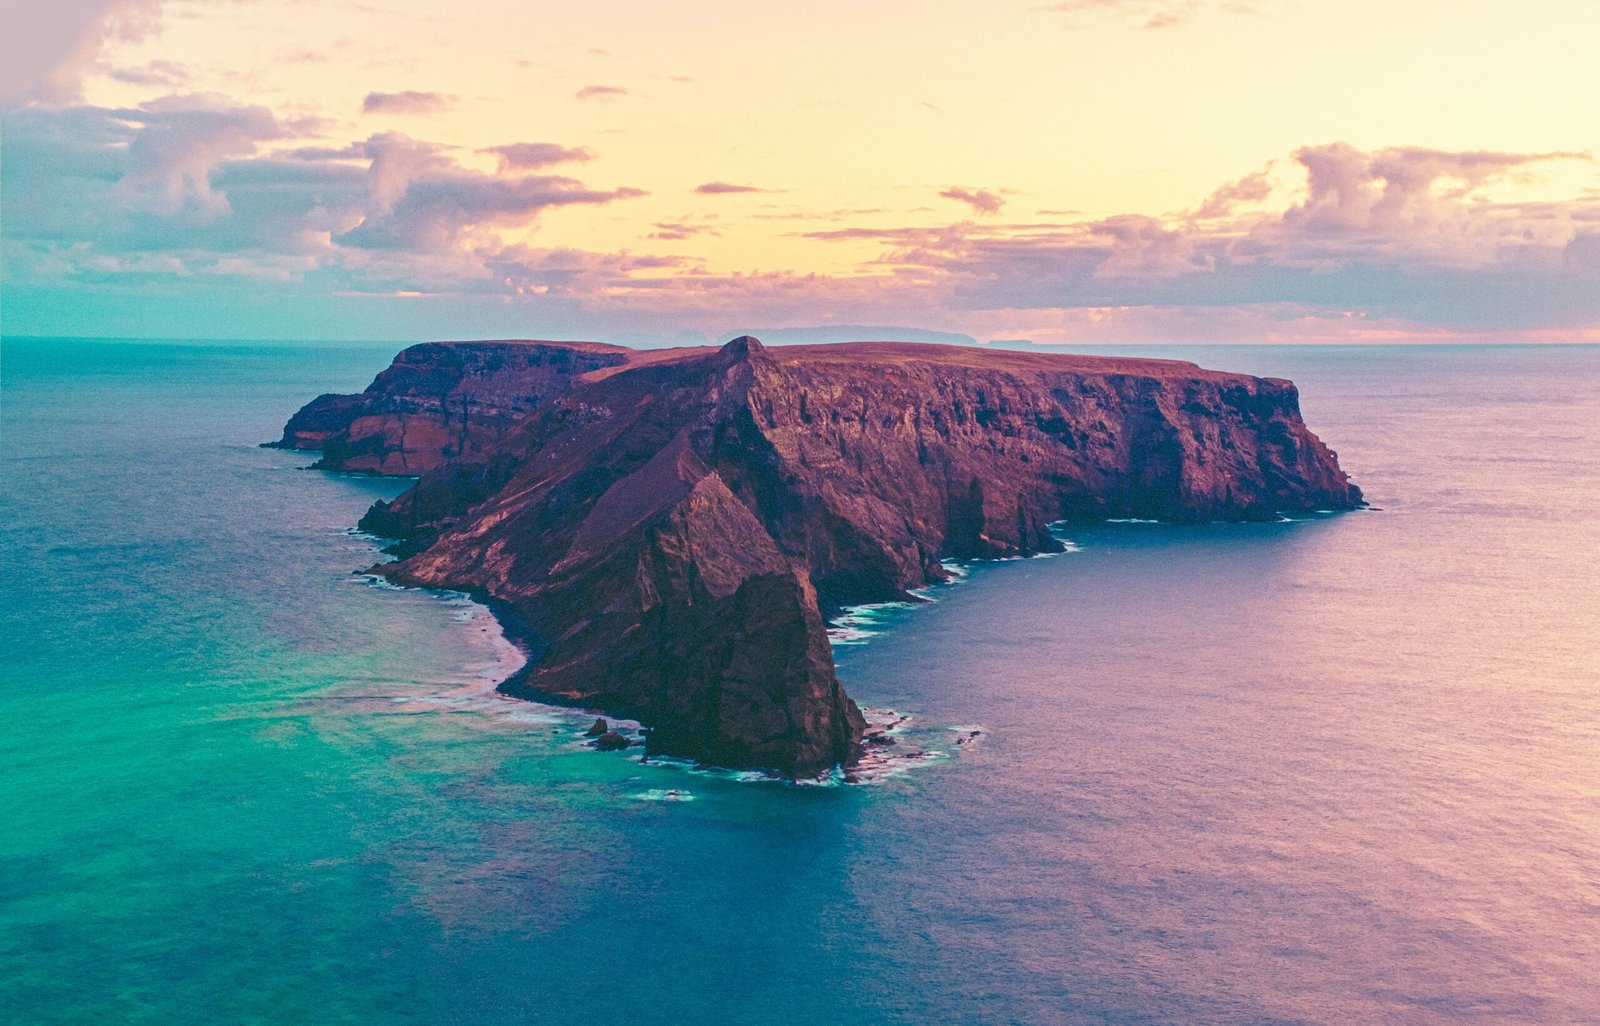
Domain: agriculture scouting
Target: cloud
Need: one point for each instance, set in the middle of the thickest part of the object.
(437, 209)
(600, 92)
(1335, 242)
(1407, 203)
(523, 155)
(407, 102)
(564, 271)
(1150, 14)
(1252, 188)
(422, 201)
(181, 139)
(350, 151)
(184, 182)
(163, 74)
(1409, 234)
(677, 231)
(107, 192)
(981, 201)
(46, 47)
(1144, 247)
(725, 189)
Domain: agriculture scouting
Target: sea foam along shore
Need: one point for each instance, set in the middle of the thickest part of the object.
(856, 625)
(489, 688)
(494, 687)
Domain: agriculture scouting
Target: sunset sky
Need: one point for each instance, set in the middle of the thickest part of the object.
(1089, 171)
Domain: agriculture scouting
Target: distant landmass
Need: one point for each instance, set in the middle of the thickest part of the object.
(853, 333)
(673, 526)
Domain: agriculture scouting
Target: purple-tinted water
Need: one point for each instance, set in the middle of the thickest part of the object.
(1342, 771)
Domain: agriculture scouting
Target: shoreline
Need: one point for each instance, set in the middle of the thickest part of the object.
(516, 647)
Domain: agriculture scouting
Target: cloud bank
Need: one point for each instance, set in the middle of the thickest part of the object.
(199, 192)
(189, 186)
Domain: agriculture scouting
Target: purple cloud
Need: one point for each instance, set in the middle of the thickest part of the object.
(1252, 188)
(676, 231)
(180, 141)
(407, 102)
(181, 184)
(189, 190)
(165, 74)
(982, 201)
(439, 205)
(563, 271)
(178, 184)
(518, 156)
(1405, 234)
(46, 47)
(725, 189)
(600, 92)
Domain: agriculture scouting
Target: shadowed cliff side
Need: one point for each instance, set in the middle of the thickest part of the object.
(673, 527)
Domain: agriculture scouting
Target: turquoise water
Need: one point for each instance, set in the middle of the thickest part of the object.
(1338, 771)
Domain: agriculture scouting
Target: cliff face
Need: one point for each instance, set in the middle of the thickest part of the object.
(440, 401)
(674, 524)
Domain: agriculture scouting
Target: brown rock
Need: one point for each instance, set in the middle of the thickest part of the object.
(441, 401)
(672, 525)
(599, 727)
(611, 741)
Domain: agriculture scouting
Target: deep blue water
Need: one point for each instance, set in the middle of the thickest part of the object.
(1341, 771)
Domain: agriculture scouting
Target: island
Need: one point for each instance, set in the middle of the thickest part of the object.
(671, 528)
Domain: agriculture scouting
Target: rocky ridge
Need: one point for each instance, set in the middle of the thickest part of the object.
(674, 525)
(440, 401)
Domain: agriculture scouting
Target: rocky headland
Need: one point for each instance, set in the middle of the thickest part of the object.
(440, 401)
(673, 525)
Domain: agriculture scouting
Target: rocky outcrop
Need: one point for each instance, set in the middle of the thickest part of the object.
(441, 401)
(673, 526)
(611, 741)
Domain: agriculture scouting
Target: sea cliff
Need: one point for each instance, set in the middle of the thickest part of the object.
(674, 525)
(440, 401)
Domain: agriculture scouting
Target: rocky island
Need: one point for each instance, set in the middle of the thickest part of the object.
(674, 525)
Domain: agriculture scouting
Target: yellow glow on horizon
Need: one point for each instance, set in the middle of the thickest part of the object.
(880, 106)
(858, 116)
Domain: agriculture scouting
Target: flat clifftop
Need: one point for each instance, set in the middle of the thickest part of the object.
(884, 354)
(441, 401)
(675, 524)
(451, 400)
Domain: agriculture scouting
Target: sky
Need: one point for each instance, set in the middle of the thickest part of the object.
(1086, 171)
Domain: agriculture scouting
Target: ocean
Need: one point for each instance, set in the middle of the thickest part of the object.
(1344, 770)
